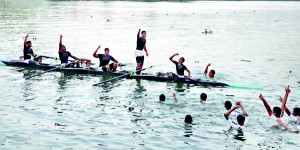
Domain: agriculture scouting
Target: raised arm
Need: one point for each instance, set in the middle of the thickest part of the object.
(229, 111)
(138, 34)
(60, 43)
(266, 105)
(95, 53)
(25, 40)
(175, 99)
(243, 109)
(206, 69)
(286, 109)
(287, 92)
(171, 58)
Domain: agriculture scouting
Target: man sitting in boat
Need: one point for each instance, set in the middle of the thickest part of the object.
(180, 67)
(64, 54)
(211, 73)
(104, 60)
(28, 52)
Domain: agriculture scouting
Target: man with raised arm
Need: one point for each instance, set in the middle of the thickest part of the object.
(64, 54)
(240, 118)
(180, 68)
(104, 60)
(277, 113)
(28, 52)
(211, 73)
(140, 46)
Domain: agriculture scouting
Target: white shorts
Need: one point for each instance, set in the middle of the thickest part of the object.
(139, 53)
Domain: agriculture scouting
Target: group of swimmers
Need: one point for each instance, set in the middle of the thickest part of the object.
(276, 115)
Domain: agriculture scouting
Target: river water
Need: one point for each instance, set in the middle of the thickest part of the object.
(253, 43)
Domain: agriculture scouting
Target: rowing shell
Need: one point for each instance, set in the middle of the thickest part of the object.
(143, 76)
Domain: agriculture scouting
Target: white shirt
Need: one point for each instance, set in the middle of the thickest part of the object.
(234, 113)
(235, 125)
(273, 120)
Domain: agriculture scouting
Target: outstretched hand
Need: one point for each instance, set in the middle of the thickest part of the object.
(209, 64)
(287, 90)
(99, 46)
(176, 54)
(261, 97)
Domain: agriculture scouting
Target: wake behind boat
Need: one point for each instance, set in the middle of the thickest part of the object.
(92, 71)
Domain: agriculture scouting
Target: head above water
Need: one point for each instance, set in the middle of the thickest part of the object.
(188, 119)
(296, 111)
(228, 105)
(162, 97)
(106, 51)
(143, 34)
(181, 60)
(240, 119)
(28, 43)
(203, 97)
(212, 73)
(277, 111)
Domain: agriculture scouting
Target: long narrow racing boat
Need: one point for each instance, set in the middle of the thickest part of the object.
(144, 76)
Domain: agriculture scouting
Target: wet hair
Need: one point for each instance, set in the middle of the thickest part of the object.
(106, 49)
(297, 111)
(143, 32)
(240, 119)
(162, 97)
(28, 42)
(213, 72)
(182, 59)
(277, 111)
(188, 119)
(203, 96)
(227, 105)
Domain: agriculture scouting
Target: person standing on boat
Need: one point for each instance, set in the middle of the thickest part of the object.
(180, 68)
(104, 60)
(28, 52)
(140, 46)
(64, 54)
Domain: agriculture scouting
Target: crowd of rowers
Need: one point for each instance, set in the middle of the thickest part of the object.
(105, 58)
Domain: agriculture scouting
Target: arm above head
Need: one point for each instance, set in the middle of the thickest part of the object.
(25, 40)
(266, 105)
(95, 53)
(287, 92)
(285, 108)
(60, 43)
(171, 58)
(229, 112)
(206, 69)
(138, 34)
(244, 110)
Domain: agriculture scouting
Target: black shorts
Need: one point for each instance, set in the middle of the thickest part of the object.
(111, 67)
(140, 59)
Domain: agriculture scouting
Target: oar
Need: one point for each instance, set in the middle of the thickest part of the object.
(59, 67)
(124, 75)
